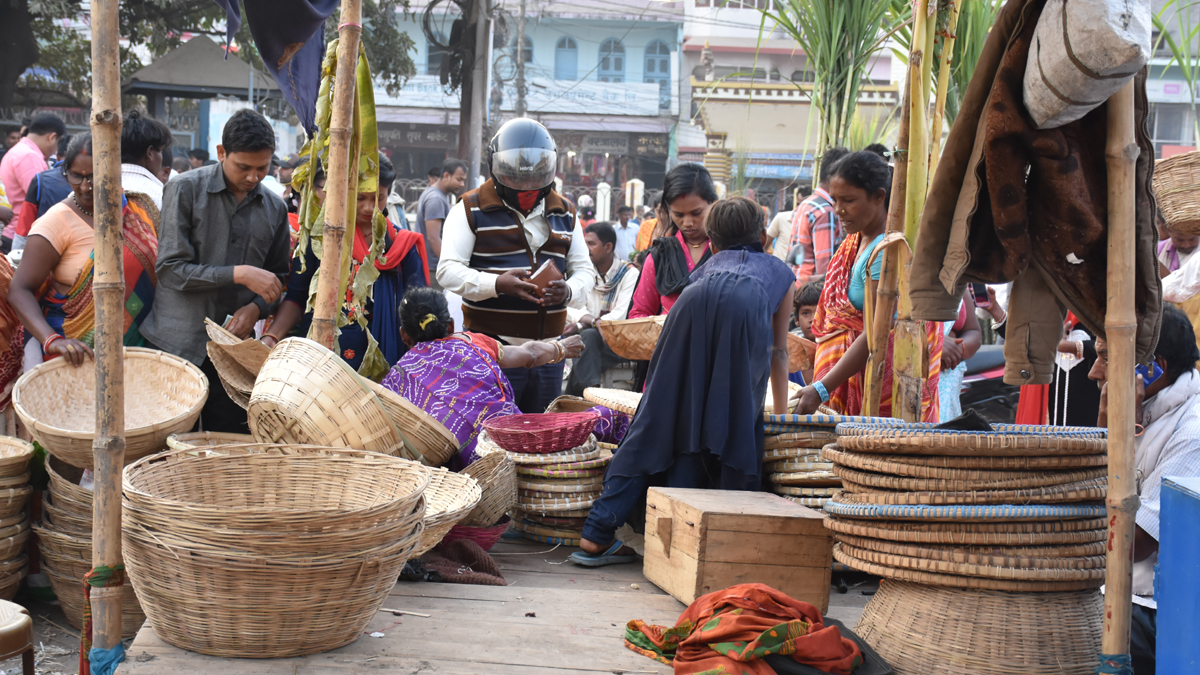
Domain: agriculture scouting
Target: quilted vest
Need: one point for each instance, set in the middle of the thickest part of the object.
(500, 246)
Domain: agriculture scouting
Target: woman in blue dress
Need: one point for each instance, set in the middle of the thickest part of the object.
(700, 425)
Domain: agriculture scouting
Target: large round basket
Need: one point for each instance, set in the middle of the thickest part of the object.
(449, 498)
(262, 551)
(800, 353)
(69, 590)
(926, 630)
(634, 339)
(207, 439)
(57, 403)
(14, 456)
(65, 491)
(1177, 191)
(497, 478)
(306, 395)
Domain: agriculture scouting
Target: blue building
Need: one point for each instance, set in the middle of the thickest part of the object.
(602, 75)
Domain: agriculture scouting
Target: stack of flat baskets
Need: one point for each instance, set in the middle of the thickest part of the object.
(65, 543)
(1177, 191)
(305, 394)
(236, 361)
(57, 403)
(260, 551)
(983, 516)
(14, 521)
(496, 475)
(792, 456)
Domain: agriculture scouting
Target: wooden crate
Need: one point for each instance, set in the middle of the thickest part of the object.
(700, 541)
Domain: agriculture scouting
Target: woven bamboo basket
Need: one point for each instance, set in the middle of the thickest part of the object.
(1032, 479)
(57, 403)
(14, 481)
(966, 513)
(541, 433)
(971, 534)
(887, 464)
(268, 551)
(69, 590)
(237, 382)
(556, 520)
(1082, 556)
(569, 404)
(555, 505)
(10, 584)
(67, 565)
(312, 499)
(14, 456)
(1082, 491)
(616, 399)
(65, 492)
(432, 440)
(250, 354)
(12, 500)
(449, 499)
(959, 581)
(497, 478)
(67, 521)
(801, 353)
(1177, 191)
(768, 402)
(51, 539)
(584, 453)
(811, 502)
(939, 631)
(634, 339)
(13, 545)
(983, 463)
(1034, 572)
(810, 440)
(1011, 440)
(207, 439)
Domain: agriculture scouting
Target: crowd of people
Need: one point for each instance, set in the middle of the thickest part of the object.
(533, 273)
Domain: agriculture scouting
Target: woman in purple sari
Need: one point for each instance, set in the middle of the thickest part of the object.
(457, 377)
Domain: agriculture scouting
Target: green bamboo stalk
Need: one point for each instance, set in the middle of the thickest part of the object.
(943, 84)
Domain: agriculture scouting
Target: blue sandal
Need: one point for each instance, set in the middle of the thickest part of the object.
(609, 557)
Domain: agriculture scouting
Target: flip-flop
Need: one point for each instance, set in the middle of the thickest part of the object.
(609, 557)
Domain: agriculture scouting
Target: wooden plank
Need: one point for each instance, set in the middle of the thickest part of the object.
(765, 549)
(562, 597)
(686, 578)
(734, 502)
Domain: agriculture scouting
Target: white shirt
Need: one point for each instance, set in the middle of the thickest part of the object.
(780, 230)
(137, 178)
(272, 183)
(454, 271)
(1183, 283)
(595, 299)
(626, 239)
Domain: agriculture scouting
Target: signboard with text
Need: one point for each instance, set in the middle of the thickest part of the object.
(543, 95)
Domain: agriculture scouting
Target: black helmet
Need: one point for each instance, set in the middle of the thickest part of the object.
(523, 156)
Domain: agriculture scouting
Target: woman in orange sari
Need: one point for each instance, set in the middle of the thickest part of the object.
(860, 188)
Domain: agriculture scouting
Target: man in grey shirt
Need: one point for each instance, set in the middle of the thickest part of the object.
(223, 252)
(433, 207)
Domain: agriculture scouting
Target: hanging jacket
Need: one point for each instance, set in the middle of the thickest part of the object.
(1013, 203)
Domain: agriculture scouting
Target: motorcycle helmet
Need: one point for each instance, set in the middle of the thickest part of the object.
(523, 160)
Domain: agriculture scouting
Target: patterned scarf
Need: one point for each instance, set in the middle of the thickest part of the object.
(609, 288)
(837, 324)
(73, 315)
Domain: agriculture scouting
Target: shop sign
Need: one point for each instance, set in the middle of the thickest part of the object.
(598, 144)
(415, 136)
(656, 145)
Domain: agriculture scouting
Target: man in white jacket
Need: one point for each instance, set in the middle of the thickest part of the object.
(1168, 412)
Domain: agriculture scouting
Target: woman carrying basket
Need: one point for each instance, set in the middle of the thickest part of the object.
(700, 423)
(457, 377)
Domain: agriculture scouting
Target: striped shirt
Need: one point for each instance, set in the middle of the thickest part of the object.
(816, 234)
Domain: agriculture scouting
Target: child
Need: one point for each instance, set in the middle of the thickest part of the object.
(804, 308)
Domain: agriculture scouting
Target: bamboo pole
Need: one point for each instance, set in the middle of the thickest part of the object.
(334, 249)
(108, 289)
(1120, 328)
(943, 85)
(886, 293)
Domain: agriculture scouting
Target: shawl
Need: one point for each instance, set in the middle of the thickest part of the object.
(609, 288)
(671, 274)
(707, 380)
(73, 314)
(457, 383)
(388, 289)
(730, 631)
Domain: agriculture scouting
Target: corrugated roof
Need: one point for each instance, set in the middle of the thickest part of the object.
(199, 65)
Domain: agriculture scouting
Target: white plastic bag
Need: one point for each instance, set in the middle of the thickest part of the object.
(1083, 52)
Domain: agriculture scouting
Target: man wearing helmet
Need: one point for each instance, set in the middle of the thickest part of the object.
(497, 236)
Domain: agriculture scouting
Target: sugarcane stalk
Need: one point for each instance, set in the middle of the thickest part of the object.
(943, 84)
(335, 246)
(883, 316)
(108, 290)
(1120, 328)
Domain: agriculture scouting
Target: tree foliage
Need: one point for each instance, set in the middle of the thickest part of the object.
(36, 33)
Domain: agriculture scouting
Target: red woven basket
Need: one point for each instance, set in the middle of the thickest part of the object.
(541, 433)
(486, 537)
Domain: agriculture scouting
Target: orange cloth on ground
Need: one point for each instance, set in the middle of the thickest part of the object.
(730, 631)
(71, 237)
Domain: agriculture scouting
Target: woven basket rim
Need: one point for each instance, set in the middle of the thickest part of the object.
(817, 420)
(130, 352)
(1095, 489)
(13, 450)
(620, 400)
(184, 441)
(1034, 479)
(955, 581)
(962, 512)
(221, 451)
(980, 570)
(1084, 555)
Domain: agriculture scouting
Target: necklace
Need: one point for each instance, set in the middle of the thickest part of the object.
(80, 206)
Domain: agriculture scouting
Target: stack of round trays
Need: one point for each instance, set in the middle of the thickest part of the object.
(555, 491)
(1019, 508)
(792, 456)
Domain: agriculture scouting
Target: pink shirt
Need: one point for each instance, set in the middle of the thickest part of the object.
(21, 164)
(646, 300)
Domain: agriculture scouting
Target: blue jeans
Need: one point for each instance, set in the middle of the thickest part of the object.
(536, 388)
(623, 494)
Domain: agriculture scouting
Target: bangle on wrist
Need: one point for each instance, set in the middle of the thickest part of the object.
(822, 391)
(50, 340)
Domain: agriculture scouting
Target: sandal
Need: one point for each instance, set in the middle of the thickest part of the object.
(609, 557)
